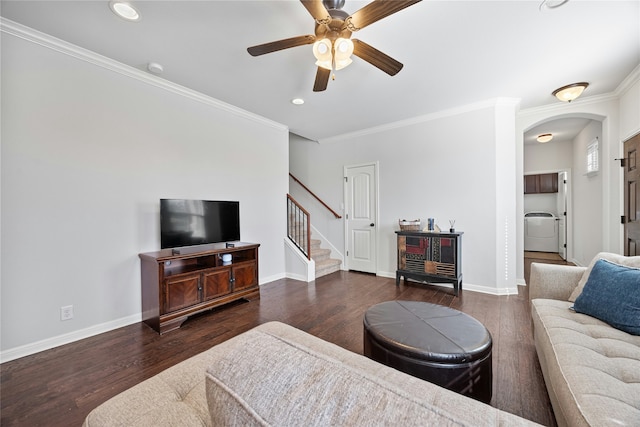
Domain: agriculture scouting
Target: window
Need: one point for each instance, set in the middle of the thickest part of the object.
(592, 157)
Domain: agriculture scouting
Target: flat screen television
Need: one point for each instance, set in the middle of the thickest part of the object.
(198, 222)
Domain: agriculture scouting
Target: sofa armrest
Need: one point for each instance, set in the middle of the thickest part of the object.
(553, 281)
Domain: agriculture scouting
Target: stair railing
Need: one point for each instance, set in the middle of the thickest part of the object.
(337, 215)
(299, 226)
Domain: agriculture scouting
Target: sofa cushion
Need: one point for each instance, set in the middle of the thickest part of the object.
(278, 375)
(592, 371)
(618, 259)
(612, 294)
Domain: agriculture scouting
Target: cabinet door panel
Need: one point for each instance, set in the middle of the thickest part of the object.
(448, 251)
(548, 183)
(216, 284)
(246, 276)
(531, 184)
(181, 292)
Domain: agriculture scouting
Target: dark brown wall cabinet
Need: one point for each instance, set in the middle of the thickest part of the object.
(541, 183)
(175, 286)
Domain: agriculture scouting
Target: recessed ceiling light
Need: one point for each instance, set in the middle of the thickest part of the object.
(552, 4)
(124, 10)
(297, 101)
(155, 68)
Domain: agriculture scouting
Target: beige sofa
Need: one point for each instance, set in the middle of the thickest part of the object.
(276, 375)
(591, 370)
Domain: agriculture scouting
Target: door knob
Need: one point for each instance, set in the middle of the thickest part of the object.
(372, 224)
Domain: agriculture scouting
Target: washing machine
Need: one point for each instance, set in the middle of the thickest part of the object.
(540, 232)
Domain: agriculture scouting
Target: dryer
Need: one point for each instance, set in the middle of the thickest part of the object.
(540, 232)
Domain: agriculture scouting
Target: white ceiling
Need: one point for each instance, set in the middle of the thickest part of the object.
(565, 129)
(454, 53)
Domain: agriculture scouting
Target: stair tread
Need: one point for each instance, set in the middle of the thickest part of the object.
(329, 261)
(320, 251)
(321, 256)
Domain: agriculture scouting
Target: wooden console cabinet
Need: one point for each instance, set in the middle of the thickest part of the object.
(177, 285)
(430, 257)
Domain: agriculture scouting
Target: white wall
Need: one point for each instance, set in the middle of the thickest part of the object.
(630, 106)
(88, 149)
(588, 199)
(443, 166)
(543, 202)
(551, 156)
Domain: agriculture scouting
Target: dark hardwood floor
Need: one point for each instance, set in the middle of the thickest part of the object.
(60, 386)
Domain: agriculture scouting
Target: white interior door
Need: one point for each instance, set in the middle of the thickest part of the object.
(361, 217)
(562, 214)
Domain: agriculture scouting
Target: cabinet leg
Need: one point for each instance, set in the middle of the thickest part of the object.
(397, 279)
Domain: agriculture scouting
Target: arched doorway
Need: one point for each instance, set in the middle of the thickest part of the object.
(596, 114)
(563, 156)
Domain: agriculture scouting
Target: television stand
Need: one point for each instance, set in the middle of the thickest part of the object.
(195, 279)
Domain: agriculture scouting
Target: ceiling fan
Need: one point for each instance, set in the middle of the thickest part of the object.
(332, 43)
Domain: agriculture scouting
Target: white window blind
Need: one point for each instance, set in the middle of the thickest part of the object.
(592, 158)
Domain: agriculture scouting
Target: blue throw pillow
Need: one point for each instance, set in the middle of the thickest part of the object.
(612, 294)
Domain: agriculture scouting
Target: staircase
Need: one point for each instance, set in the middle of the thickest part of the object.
(324, 264)
(299, 233)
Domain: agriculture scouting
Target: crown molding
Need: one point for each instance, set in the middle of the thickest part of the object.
(561, 107)
(514, 102)
(629, 81)
(45, 40)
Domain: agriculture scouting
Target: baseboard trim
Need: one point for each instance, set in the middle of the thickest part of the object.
(49, 343)
(465, 286)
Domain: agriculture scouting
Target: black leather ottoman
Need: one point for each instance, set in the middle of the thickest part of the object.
(432, 342)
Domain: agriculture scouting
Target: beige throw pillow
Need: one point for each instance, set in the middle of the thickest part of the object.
(633, 261)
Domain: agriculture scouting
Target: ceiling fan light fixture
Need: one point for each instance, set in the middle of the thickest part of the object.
(344, 47)
(322, 52)
(545, 137)
(124, 10)
(570, 92)
(340, 64)
(343, 52)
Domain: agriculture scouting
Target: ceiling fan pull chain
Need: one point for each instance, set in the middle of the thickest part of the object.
(333, 76)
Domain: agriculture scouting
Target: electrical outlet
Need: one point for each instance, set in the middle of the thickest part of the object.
(66, 312)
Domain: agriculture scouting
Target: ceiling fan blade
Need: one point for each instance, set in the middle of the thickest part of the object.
(317, 10)
(376, 58)
(375, 11)
(261, 49)
(322, 79)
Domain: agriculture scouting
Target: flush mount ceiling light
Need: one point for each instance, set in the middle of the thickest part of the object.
(124, 10)
(297, 101)
(570, 92)
(545, 137)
